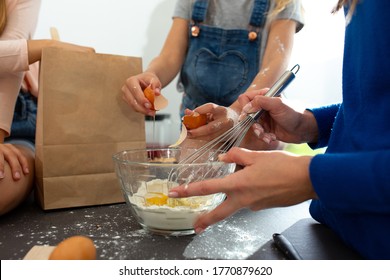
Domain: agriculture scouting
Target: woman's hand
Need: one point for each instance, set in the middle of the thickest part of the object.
(267, 179)
(280, 121)
(15, 159)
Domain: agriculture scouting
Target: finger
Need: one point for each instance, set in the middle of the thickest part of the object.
(211, 128)
(205, 108)
(219, 120)
(266, 103)
(221, 212)
(253, 93)
(200, 188)
(138, 94)
(248, 96)
(239, 156)
(132, 102)
(2, 167)
(129, 97)
(23, 163)
(258, 130)
(12, 155)
(269, 137)
(188, 112)
(156, 86)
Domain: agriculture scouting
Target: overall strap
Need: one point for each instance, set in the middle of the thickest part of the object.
(259, 14)
(199, 10)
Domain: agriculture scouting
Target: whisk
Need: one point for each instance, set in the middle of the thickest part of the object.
(231, 138)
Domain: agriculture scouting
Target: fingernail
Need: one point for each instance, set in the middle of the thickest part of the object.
(173, 194)
(17, 175)
(199, 230)
(221, 157)
(26, 170)
(242, 116)
(148, 105)
(247, 108)
(266, 139)
(258, 129)
(2, 176)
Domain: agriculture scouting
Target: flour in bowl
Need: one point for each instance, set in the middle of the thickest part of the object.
(155, 210)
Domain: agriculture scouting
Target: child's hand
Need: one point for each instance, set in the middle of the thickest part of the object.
(16, 160)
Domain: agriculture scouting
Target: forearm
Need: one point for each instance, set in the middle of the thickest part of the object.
(165, 69)
(168, 63)
(276, 55)
(275, 59)
(35, 49)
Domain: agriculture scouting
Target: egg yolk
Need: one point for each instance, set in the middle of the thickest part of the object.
(158, 199)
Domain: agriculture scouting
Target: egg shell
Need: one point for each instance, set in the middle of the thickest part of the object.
(158, 102)
(74, 248)
(149, 94)
(195, 120)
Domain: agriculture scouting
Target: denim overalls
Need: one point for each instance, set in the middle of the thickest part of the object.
(220, 64)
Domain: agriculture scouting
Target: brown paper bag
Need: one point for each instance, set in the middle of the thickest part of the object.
(81, 122)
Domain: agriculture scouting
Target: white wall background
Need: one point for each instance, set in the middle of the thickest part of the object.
(139, 28)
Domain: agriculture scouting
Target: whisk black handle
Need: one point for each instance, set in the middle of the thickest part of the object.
(278, 87)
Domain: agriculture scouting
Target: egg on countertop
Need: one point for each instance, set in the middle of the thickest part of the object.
(74, 248)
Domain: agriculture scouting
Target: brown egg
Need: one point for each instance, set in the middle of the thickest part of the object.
(74, 248)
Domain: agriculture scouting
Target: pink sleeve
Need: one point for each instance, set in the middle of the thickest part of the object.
(22, 17)
(13, 56)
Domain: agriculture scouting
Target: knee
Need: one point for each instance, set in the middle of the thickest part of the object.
(14, 192)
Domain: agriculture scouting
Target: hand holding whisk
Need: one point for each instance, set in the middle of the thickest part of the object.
(231, 138)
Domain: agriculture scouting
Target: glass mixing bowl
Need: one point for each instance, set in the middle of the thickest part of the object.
(143, 176)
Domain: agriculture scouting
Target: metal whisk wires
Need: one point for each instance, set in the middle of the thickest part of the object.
(231, 138)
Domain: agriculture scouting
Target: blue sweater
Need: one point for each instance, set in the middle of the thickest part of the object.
(352, 179)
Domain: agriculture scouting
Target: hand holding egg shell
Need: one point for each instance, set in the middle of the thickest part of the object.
(191, 121)
(158, 102)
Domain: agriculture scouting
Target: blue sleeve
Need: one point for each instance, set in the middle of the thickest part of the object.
(353, 182)
(325, 117)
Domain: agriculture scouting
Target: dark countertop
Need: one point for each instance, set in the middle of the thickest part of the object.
(117, 235)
